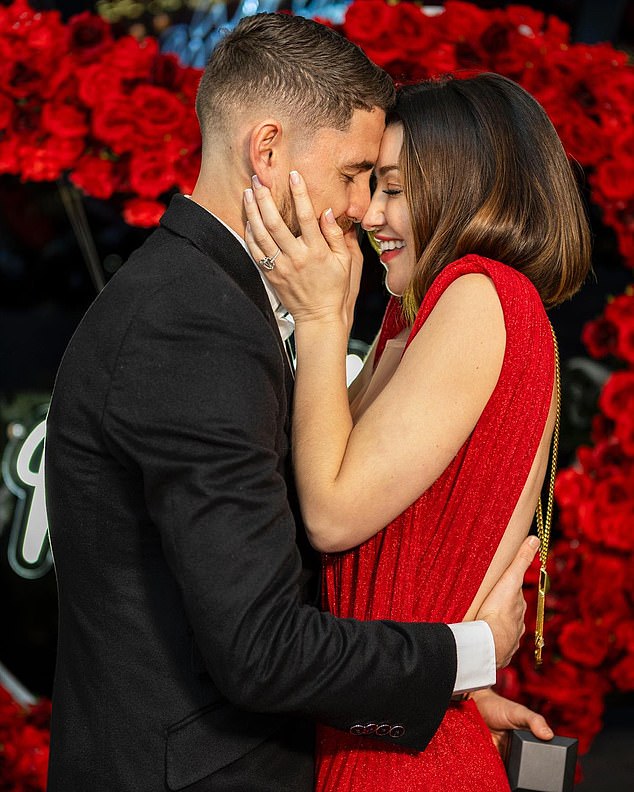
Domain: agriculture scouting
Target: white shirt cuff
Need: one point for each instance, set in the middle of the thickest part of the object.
(475, 649)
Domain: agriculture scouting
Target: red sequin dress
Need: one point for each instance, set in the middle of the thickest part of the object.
(428, 564)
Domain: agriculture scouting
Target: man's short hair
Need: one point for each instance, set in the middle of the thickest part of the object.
(289, 65)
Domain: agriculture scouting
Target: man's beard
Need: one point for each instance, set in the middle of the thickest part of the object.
(287, 211)
(289, 216)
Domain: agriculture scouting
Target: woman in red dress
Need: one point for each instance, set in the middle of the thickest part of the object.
(420, 490)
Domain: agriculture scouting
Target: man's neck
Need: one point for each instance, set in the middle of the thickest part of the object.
(225, 202)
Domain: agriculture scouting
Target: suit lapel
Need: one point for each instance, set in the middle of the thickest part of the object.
(189, 220)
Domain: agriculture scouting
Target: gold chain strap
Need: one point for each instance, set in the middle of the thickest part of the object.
(544, 525)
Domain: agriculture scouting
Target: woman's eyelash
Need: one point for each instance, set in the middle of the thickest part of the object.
(392, 192)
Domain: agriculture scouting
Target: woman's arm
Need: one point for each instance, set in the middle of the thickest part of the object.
(354, 479)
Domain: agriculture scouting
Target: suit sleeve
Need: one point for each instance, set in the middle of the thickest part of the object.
(196, 404)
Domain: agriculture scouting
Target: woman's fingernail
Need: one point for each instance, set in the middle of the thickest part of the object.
(248, 195)
(549, 733)
(329, 216)
(294, 177)
(256, 182)
(248, 227)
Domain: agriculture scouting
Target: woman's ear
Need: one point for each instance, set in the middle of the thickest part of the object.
(267, 151)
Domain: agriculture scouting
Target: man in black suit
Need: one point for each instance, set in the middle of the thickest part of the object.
(188, 657)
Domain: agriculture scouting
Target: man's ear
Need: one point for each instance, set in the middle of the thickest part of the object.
(267, 150)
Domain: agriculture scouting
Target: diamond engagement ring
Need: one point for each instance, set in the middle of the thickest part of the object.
(268, 262)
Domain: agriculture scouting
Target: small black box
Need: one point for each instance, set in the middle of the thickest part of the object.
(535, 765)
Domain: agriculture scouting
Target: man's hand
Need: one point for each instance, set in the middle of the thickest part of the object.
(504, 608)
(500, 714)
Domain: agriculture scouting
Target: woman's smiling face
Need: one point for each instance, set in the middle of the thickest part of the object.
(388, 216)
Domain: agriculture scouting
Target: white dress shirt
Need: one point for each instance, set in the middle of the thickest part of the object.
(475, 647)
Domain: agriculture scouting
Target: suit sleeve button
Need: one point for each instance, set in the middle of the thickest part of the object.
(358, 729)
(397, 731)
(383, 730)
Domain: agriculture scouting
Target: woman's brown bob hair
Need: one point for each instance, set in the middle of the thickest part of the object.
(484, 172)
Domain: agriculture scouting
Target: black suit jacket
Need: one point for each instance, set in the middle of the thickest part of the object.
(187, 657)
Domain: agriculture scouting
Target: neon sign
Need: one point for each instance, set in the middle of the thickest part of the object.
(23, 472)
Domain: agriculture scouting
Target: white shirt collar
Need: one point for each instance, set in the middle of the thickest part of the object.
(285, 323)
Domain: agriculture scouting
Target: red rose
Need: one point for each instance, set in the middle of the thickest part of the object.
(582, 137)
(7, 106)
(609, 457)
(602, 428)
(614, 178)
(189, 85)
(98, 83)
(613, 492)
(617, 395)
(150, 174)
(6, 61)
(365, 22)
(584, 643)
(625, 345)
(623, 674)
(90, 36)
(9, 159)
(142, 213)
(624, 636)
(528, 20)
(606, 572)
(626, 247)
(517, 58)
(167, 71)
(64, 120)
(562, 681)
(621, 309)
(24, 80)
(95, 176)
(606, 606)
(571, 487)
(581, 716)
(441, 59)
(414, 32)
(114, 123)
(599, 337)
(157, 111)
(462, 22)
(557, 31)
(384, 54)
(494, 39)
(508, 683)
(49, 160)
(565, 564)
(401, 69)
(624, 431)
(620, 312)
(133, 59)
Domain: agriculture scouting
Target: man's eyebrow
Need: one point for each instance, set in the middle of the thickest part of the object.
(366, 165)
(385, 170)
